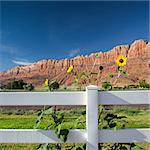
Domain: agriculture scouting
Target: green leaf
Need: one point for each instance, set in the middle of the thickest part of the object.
(111, 75)
(121, 117)
(60, 117)
(112, 125)
(123, 148)
(120, 69)
(64, 134)
(124, 73)
(48, 111)
(39, 146)
(39, 113)
(115, 128)
(37, 124)
(132, 145)
(57, 130)
(106, 86)
(37, 121)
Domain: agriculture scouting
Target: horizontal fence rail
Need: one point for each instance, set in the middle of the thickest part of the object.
(73, 98)
(124, 97)
(124, 135)
(75, 136)
(39, 136)
(42, 98)
(91, 98)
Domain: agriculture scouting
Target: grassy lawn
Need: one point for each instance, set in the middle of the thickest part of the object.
(136, 118)
(21, 119)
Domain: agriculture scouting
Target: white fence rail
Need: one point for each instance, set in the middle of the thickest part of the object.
(91, 98)
(75, 136)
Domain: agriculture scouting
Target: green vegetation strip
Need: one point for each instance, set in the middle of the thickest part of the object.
(136, 118)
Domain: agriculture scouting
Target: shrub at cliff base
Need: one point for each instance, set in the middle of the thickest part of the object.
(16, 84)
(28, 87)
(144, 84)
(19, 84)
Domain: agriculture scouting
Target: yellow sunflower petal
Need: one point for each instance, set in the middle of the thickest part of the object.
(70, 69)
(46, 83)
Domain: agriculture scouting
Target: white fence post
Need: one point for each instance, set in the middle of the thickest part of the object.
(92, 117)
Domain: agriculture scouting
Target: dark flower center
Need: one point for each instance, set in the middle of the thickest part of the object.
(121, 60)
(101, 68)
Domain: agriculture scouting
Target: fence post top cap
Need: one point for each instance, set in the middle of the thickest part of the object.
(92, 87)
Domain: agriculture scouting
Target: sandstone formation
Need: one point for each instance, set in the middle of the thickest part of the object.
(138, 67)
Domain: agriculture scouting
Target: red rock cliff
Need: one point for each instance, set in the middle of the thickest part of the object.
(138, 66)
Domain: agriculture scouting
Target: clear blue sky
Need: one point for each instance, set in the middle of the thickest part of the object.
(31, 31)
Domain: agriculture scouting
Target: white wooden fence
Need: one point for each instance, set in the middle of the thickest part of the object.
(91, 98)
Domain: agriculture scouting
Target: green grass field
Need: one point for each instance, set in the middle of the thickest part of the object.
(21, 119)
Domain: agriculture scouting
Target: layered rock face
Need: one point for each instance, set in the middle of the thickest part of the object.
(138, 67)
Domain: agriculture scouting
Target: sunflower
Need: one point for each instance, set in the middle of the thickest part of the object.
(46, 83)
(70, 69)
(121, 61)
